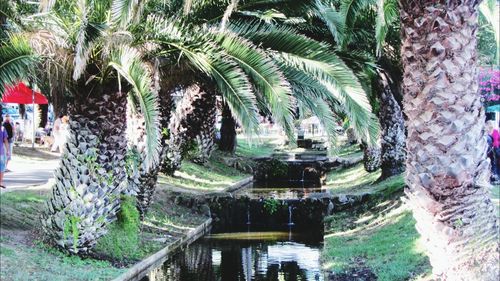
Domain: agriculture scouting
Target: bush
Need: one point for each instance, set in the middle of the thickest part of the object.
(122, 240)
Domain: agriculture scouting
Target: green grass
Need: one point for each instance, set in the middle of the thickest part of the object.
(213, 176)
(20, 209)
(349, 150)
(246, 148)
(24, 258)
(391, 250)
(39, 262)
(122, 240)
(379, 234)
(350, 180)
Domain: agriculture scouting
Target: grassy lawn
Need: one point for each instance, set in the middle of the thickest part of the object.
(347, 150)
(21, 243)
(351, 180)
(255, 148)
(24, 257)
(213, 176)
(389, 247)
(379, 235)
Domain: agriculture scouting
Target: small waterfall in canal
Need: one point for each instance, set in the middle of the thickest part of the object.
(248, 216)
(290, 212)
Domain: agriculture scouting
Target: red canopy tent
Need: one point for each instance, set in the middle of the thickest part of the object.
(22, 94)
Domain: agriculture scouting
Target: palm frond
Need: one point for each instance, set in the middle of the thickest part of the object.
(317, 60)
(235, 87)
(17, 61)
(352, 8)
(124, 12)
(387, 13)
(311, 99)
(127, 62)
(229, 11)
(333, 19)
(88, 34)
(265, 75)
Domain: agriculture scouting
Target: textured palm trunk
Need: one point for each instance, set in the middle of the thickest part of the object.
(351, 136)
(142, 181)
(91, 176)
(185, 124)
(227, 140)
(393, 155)
(447, 171)
(371, 157)
(205, 140)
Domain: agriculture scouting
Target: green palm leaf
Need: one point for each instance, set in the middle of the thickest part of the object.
(265, 75)
(235, 87)
(333, 19)
(387, 13)
(127, 62)
(124, 12)
(316, 59)
(17, 61)
(88, 34)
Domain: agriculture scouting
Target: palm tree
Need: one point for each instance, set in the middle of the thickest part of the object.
(241, 63)
(351, 24)
(447, 169)
(347, 26)
(92, 56)
(16, 56)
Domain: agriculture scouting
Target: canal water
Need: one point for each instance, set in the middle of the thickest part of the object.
(271, 231)
(251, 254)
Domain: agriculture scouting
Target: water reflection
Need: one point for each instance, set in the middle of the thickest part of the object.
(236, 256)
(280, 190)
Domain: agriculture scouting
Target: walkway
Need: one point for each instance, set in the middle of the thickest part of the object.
(26, 172)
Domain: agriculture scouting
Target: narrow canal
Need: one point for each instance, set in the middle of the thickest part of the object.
(247, 255)
(271, 230)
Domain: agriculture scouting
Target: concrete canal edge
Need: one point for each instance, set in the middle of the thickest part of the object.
(140, 269)
(239, 185)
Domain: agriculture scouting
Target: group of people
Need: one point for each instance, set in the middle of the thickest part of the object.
(494, 150)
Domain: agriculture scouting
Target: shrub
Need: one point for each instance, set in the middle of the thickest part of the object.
(122, 240)
(271, 205)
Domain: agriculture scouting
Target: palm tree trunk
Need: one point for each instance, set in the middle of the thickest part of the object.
(185, 124)
(89, 180)
(206, 138)
(227, 140)
(351, 136)
(392, 141)
(146, 180)
(371, 157)
(142, 181)
(447, 169)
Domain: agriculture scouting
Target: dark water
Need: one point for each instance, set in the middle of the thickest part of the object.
(258, 255)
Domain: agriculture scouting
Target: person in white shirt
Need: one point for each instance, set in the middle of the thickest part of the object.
(57, 134)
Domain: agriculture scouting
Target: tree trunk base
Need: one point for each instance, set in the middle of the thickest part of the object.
(460, 238)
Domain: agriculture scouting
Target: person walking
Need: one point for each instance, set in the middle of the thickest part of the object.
(57, 134)
(4, 151)
(493, 139)
(9, 128)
